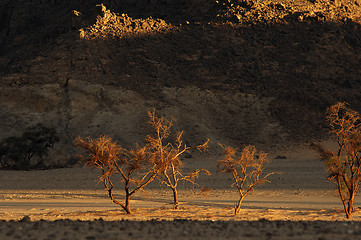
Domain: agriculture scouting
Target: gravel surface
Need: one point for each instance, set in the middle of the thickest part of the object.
(179, 229)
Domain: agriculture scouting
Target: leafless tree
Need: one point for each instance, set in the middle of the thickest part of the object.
(246, 169)
(136, 167)
(167, 155)
(343, 165)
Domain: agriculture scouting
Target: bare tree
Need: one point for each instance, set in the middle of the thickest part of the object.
(344, 164)
(167, 155)
(246, 169)
(135, 166)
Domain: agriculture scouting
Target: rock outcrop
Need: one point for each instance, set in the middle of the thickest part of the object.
(234, 71)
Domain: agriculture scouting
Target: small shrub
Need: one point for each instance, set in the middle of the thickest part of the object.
(35, 142)
(246, 169)
(344, 164)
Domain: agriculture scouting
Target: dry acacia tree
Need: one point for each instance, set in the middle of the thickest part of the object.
(343, 165)
(167, 155)
(246, 169)
(135, 167)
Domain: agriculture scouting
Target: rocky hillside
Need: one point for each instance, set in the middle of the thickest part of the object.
(238, 72)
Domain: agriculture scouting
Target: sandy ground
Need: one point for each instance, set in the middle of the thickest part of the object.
(70, 203)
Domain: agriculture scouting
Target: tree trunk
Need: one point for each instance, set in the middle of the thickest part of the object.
(238, 205)
(127, 204)
(175, 198)
(342, 197)
(350, 206)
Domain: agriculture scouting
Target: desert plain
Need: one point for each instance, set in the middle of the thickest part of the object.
(70, 203)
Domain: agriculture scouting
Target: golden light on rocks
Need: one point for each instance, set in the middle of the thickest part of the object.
(113, 25)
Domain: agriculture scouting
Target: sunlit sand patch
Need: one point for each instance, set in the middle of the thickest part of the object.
(187, 213)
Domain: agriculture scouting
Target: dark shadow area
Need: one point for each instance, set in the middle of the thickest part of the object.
(29, 29)
(301, 66)
(173, 11)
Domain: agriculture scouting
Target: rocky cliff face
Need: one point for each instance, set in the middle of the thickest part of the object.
(83, 109)
(221, 71)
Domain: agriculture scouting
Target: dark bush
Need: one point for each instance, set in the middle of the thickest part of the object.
(27, 151)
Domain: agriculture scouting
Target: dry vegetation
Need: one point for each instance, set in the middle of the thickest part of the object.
(344, 164)
(168, 154)
(135, 166)
(246, 169)
(139, 166)
(160, 158)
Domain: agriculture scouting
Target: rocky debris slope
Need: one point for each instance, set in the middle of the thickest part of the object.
(283, 11)
(110, 25)
(234, 71)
